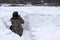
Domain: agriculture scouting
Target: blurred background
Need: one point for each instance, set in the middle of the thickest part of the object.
(32, 2)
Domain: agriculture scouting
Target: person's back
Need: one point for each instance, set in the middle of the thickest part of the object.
(16, 21)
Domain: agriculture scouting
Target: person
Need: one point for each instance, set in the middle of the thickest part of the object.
(16, 21)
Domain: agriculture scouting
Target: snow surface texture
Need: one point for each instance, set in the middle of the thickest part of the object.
(41, 23)
(45, 27)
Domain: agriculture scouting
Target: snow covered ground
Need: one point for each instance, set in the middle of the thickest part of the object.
(41, 23)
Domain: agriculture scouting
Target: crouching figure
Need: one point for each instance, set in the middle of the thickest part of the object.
(16, 21)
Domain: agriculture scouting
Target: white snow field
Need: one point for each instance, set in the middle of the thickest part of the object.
(41, 23)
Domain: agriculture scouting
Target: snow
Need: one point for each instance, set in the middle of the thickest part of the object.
(46, 27)
(41, 23)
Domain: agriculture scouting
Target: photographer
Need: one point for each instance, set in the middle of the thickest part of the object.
(16, 21)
